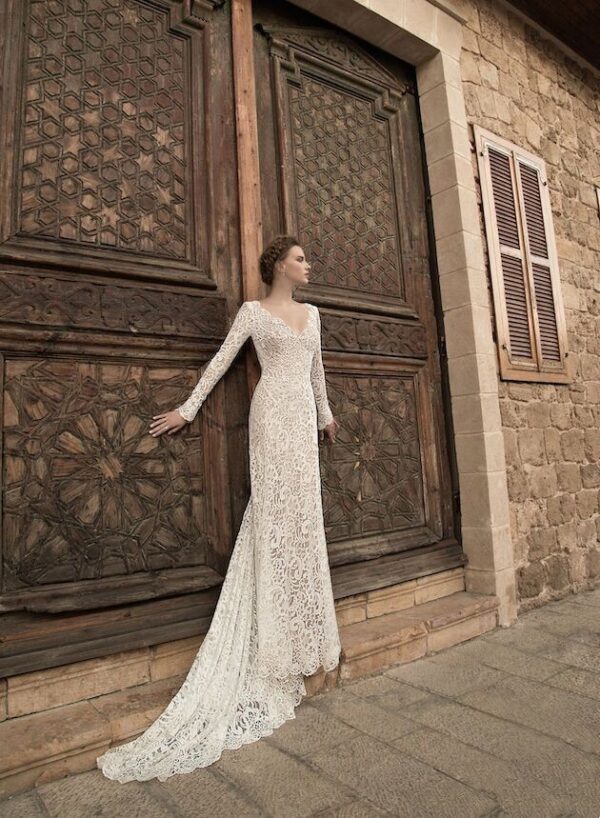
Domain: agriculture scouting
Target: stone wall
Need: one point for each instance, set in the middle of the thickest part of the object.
(521, 86)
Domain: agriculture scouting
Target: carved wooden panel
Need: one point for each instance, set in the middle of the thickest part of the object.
(88, 494)
(338, 129)
(109, 128)
(374, 476)
(360, 333)
(45, 300)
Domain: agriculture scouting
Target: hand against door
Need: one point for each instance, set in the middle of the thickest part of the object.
(169, 422)
(329, 432)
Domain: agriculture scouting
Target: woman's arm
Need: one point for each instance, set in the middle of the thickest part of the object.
(240, 330)
(317, 379)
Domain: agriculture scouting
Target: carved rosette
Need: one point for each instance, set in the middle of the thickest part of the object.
(88, 493)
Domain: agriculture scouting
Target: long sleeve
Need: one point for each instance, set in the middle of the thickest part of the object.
(317, 379)
(240, 330)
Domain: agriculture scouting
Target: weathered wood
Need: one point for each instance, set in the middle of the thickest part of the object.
(392, 569)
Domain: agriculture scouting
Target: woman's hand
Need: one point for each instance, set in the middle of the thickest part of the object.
(168, 422)
(328, 432)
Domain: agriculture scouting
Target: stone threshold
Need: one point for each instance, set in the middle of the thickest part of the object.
(51, 744)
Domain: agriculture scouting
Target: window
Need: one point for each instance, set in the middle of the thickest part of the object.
(530, 319)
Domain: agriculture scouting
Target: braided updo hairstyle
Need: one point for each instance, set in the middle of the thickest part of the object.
(276, 251)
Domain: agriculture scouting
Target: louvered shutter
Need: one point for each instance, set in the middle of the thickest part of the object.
(524, 269)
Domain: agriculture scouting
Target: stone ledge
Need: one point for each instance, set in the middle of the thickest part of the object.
(395, 638)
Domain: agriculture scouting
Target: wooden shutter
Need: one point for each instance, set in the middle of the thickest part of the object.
(530, 320)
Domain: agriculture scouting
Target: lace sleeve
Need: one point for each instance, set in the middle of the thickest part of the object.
(219, 363)
(317, 379)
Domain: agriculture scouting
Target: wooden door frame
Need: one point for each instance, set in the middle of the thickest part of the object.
(428, 35)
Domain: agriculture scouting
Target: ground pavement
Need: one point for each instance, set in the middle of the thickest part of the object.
(507, 724)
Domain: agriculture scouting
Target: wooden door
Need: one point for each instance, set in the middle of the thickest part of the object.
(119, 270)
(342, 169)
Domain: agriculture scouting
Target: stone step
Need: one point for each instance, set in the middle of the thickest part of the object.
(377, 643)
(66, 739)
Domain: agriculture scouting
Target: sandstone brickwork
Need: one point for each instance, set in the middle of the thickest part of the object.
(523, 87)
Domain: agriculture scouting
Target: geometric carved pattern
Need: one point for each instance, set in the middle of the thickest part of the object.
(103, 143)
(346, 209)
(88, 493)
(373, 476)
(87, 305)
(335, 47)
(406, 339)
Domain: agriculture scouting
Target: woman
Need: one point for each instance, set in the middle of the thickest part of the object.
(275, 618)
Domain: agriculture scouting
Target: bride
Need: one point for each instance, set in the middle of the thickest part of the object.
(274, 622)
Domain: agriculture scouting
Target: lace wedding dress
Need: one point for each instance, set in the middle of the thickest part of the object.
(275, 618)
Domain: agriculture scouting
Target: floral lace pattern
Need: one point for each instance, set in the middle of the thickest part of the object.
(275, 618)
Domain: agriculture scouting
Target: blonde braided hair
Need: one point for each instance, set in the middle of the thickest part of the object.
(276, 251)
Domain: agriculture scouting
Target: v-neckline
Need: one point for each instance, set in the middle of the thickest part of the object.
(285, 324)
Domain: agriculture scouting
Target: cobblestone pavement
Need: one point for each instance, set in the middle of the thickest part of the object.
(507, 724)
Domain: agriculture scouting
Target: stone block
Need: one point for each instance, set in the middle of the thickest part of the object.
(173, 658)
(280, 784)
(393, 598)
(455, 209)
(568, 476)
(543, 480)
(51, 743)
(449, 137)
(364, 714)
(458, 252)
(572, 445)
(321, 681)
(586, 502)
(3, 686)
(351, 609)
(129, 712)
(456, 632)
(439, 585)
(380, 642)
(530, 580)
(556, 569)
(442, 68)
(542, 542)
(93, 795)
(531, 446)
(397, 782)
(66, 684)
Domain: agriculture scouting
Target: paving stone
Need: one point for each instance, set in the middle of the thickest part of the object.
(400, 784)
(562, 622)
(312, 729)
(365, 715)
(586, 598)
(357, 809)
(506, 659)
(529, 639)
(549, 710)
(577, 681)
(206, 794)
(503, 781)
(446, 675)
(280, 785)
(22, 806)
(91, 794)
(385, 683)
(559, 766)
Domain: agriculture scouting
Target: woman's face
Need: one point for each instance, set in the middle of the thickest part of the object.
(297, 268)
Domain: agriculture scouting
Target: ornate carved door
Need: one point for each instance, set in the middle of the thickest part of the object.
(341, 169)
(119, 249)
